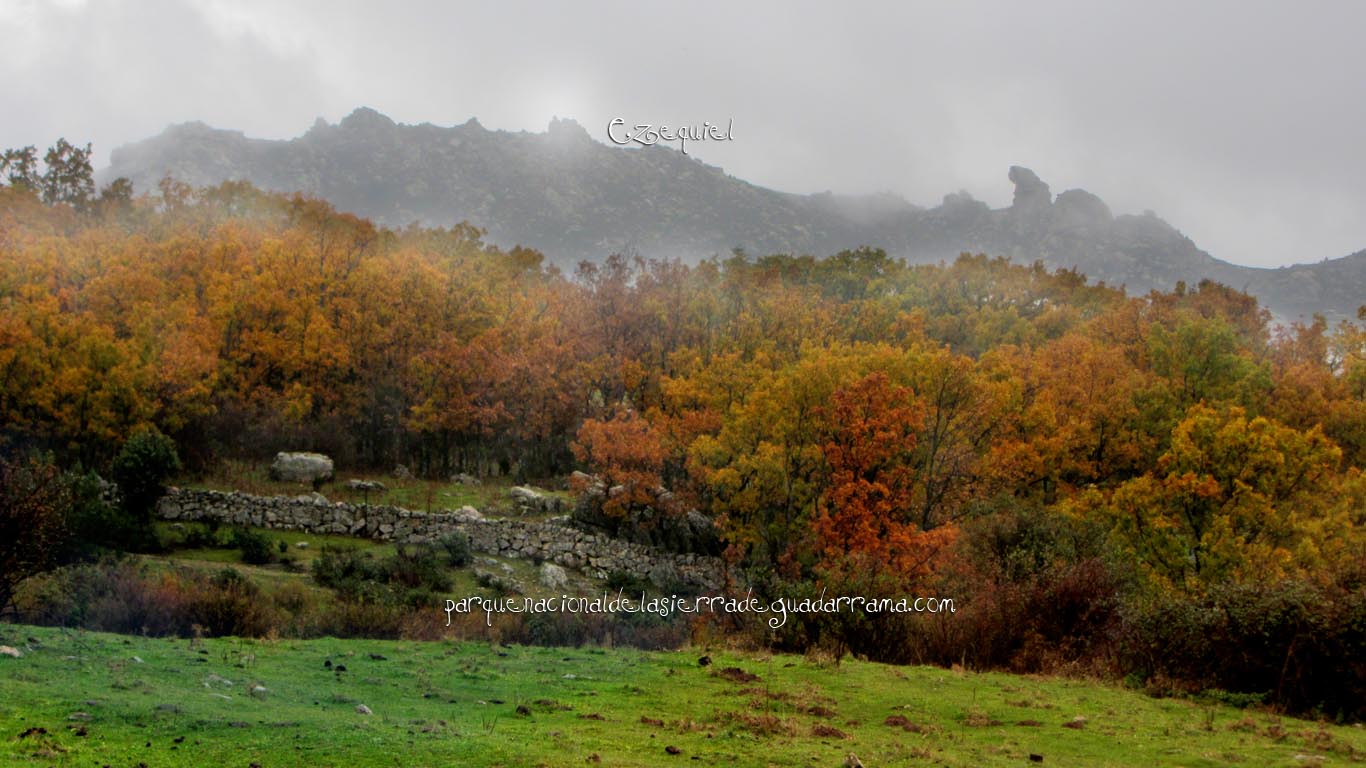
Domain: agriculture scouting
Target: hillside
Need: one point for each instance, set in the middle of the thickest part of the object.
(575, 198)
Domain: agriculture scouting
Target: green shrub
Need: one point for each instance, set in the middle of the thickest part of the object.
(421, 597)
(628, 583)
(255, 546)
(358, 576)
(1293, 644)
(457, 548)
(202, 535)
(417, 566)
(342, 568)
(95, 524)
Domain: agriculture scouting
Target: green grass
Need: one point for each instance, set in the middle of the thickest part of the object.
(212, 559)
(128, 700)
(314, 544)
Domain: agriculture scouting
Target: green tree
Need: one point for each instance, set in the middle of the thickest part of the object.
(20, 167)
(141, 469)
(69, 176)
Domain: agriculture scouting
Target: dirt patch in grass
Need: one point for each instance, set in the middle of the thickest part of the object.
(900, 721)
(737, 675)
(761, 724)
(821, 731)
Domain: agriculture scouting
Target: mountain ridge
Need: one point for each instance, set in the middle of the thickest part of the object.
(574, 198)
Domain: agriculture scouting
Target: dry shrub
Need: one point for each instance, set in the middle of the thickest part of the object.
(353, 618)
(124, 596)
(426, 624)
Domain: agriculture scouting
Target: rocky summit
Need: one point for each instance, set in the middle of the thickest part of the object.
(574, 197)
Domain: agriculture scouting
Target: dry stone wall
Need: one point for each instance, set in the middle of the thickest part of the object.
(552, 540)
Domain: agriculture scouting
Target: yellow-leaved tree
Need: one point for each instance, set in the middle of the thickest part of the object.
(1237, 499)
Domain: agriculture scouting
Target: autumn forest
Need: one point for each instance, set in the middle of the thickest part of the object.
(1164, 488)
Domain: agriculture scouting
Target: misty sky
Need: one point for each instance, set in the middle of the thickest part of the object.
(1241, 123)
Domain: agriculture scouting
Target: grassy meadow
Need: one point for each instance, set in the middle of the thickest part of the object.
(81, 698)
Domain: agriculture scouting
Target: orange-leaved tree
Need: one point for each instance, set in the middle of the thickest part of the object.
(868, 517)
(626, 452)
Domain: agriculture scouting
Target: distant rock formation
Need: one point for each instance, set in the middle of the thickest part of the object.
(576, 198)
(1032, 197)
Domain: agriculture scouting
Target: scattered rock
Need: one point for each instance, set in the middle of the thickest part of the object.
(523, 710)
(671, 749)
(532, 502)
(260, 691)
(467, 514)
(10, 651)
(82, 716)
(365, 485)
(705, 661)
(301, 545)
(852, 761)
(361, 709)
(651, 721)
(1077, 723)
(463, 479)
(553, 576)
(301, 467)
(402, 473)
